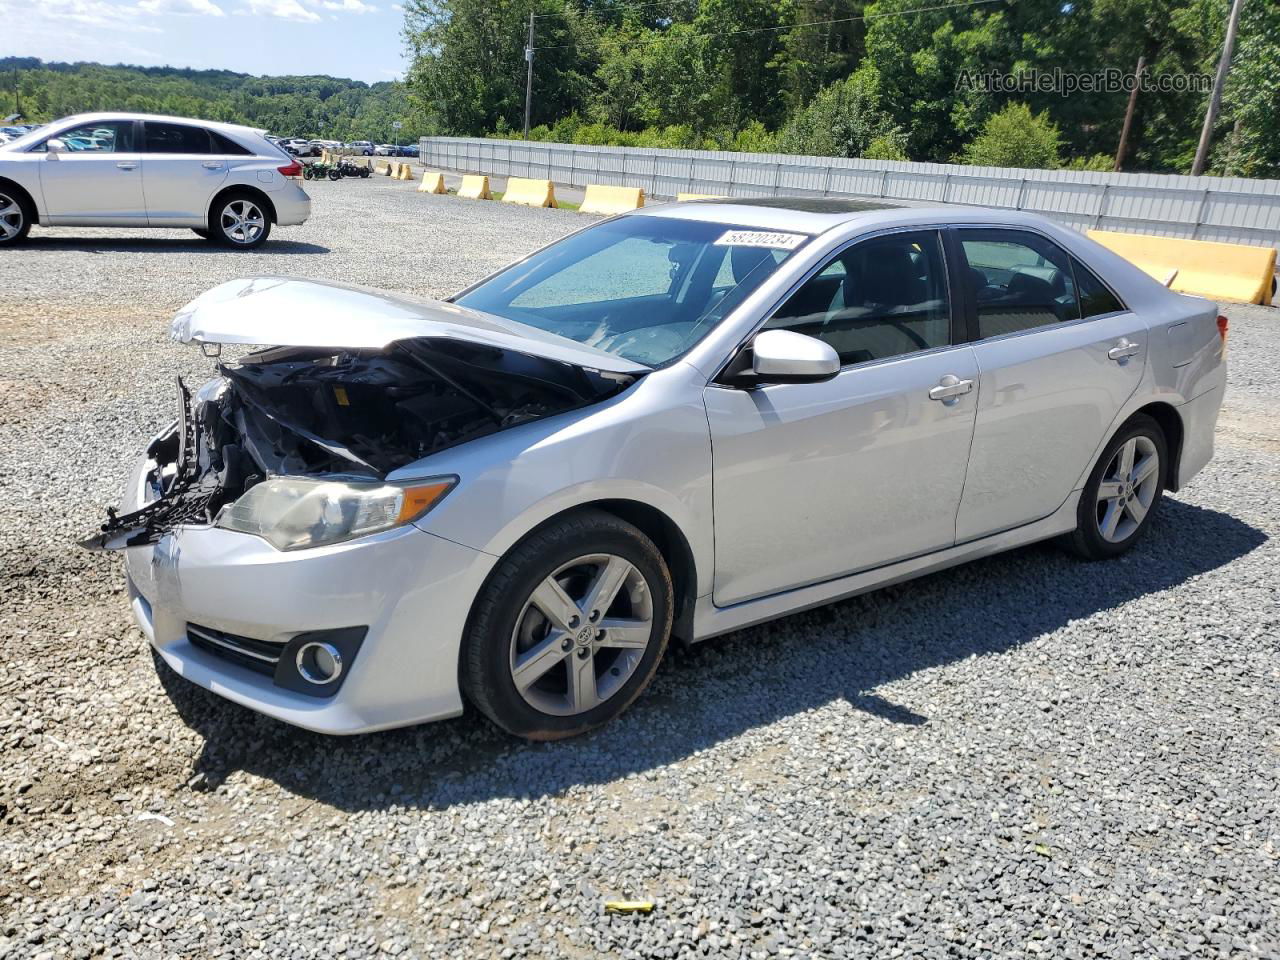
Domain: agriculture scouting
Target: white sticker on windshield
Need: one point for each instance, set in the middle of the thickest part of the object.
(761, 238)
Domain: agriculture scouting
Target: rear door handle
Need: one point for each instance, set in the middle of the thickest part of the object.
(212, 165)
(950, 389)
(1124, 349)
(127, 164)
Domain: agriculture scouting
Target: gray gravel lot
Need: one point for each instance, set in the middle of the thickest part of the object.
(1024, 756)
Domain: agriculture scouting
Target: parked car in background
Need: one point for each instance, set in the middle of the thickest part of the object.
(300, 148)
(363, 147)
(409, 150)
(386, 150)
(677, 422)
(225, 182)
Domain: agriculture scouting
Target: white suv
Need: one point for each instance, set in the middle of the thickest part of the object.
(226, 182)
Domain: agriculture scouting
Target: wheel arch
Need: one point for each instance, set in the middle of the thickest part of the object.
(1170, 421)
(259, 196)
(24, 195)
(666, 535)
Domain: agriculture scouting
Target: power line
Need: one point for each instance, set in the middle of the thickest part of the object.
(797, 26)
(622, 8)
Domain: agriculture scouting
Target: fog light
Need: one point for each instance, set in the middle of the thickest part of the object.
(319, 663)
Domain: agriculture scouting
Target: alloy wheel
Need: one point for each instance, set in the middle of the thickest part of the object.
(581, 634)
(11, 217)
(242, 221)
(1128, 487)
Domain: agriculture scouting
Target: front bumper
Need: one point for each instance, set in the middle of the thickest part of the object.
(411, 589)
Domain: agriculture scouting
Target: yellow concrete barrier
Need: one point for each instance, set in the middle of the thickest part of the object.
(1219, 271)
(404, 171)
(475, 187)
(530, 193)
(610, 200)
(432, 182)
(682, 197)
(381, 167)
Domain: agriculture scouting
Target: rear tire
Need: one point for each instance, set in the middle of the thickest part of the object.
(569, 628)
(240, 220)
(16, 216)
(1123, 493)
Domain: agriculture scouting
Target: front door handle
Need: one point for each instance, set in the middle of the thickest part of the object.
(1123, 350)
(127, 164)
(212, 165)
(950, 389)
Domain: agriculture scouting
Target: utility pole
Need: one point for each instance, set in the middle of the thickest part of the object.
(1215, 99)
(1128, 113)
(528, 77)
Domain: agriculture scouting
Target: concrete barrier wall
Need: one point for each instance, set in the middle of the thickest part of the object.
(1232, 210)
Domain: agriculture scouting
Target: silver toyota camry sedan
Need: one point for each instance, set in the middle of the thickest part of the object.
(674, 423)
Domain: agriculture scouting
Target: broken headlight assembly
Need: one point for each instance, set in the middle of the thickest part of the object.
(292, 513)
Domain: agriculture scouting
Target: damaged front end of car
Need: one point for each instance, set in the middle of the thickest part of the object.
(289, 439)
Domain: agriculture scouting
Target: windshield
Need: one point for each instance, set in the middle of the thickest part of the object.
(643, 288)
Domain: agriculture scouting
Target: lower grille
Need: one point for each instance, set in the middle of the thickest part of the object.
(259, 655)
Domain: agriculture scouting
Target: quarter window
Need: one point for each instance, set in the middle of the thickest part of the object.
(177, 138)
(879, 298)
(226, 145)
(1019, 281)
(1095, 299)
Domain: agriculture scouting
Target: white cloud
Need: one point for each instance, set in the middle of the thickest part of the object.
(349, 6)
(195, 7)
(283, 10)
(100, 14)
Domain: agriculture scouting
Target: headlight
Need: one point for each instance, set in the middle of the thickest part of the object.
(293, 512)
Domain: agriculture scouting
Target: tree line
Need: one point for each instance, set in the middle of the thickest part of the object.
(314, 107)
(858, 78)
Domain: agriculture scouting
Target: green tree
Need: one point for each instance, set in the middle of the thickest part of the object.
(1016, 137)
(844, 120)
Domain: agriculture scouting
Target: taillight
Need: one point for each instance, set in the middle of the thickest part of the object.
(292, 170)
(1222, 328)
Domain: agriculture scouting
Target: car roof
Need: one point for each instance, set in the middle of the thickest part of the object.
(122, 115)
(816, 215)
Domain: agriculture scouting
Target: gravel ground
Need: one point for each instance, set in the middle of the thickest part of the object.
(1026, 755)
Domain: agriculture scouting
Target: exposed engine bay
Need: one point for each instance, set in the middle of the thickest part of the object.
(358, 414)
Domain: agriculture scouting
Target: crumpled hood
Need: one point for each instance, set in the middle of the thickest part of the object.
(287, 312)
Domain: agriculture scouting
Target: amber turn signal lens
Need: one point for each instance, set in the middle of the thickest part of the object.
(419, 499)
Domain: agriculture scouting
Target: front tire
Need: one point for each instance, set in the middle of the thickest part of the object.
(1123, 492)
(569, 628)
(16, 216)
(240, 220)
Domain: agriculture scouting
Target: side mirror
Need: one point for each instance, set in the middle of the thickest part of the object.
(55, 147)
(782, 356)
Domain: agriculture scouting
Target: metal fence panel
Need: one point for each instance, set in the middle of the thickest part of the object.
(1233, 210)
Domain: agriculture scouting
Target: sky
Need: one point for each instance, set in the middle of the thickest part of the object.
(359, 39)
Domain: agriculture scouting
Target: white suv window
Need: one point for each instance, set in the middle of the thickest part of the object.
(107, 136)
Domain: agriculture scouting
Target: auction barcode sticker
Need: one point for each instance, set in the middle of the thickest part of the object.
(761, 238)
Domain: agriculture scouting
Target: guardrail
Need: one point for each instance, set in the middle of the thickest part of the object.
(1228, 209)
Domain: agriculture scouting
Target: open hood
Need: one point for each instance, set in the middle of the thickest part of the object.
(286, 312)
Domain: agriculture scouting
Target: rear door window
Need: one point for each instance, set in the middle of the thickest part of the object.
(177, 138)
(1018, 281)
